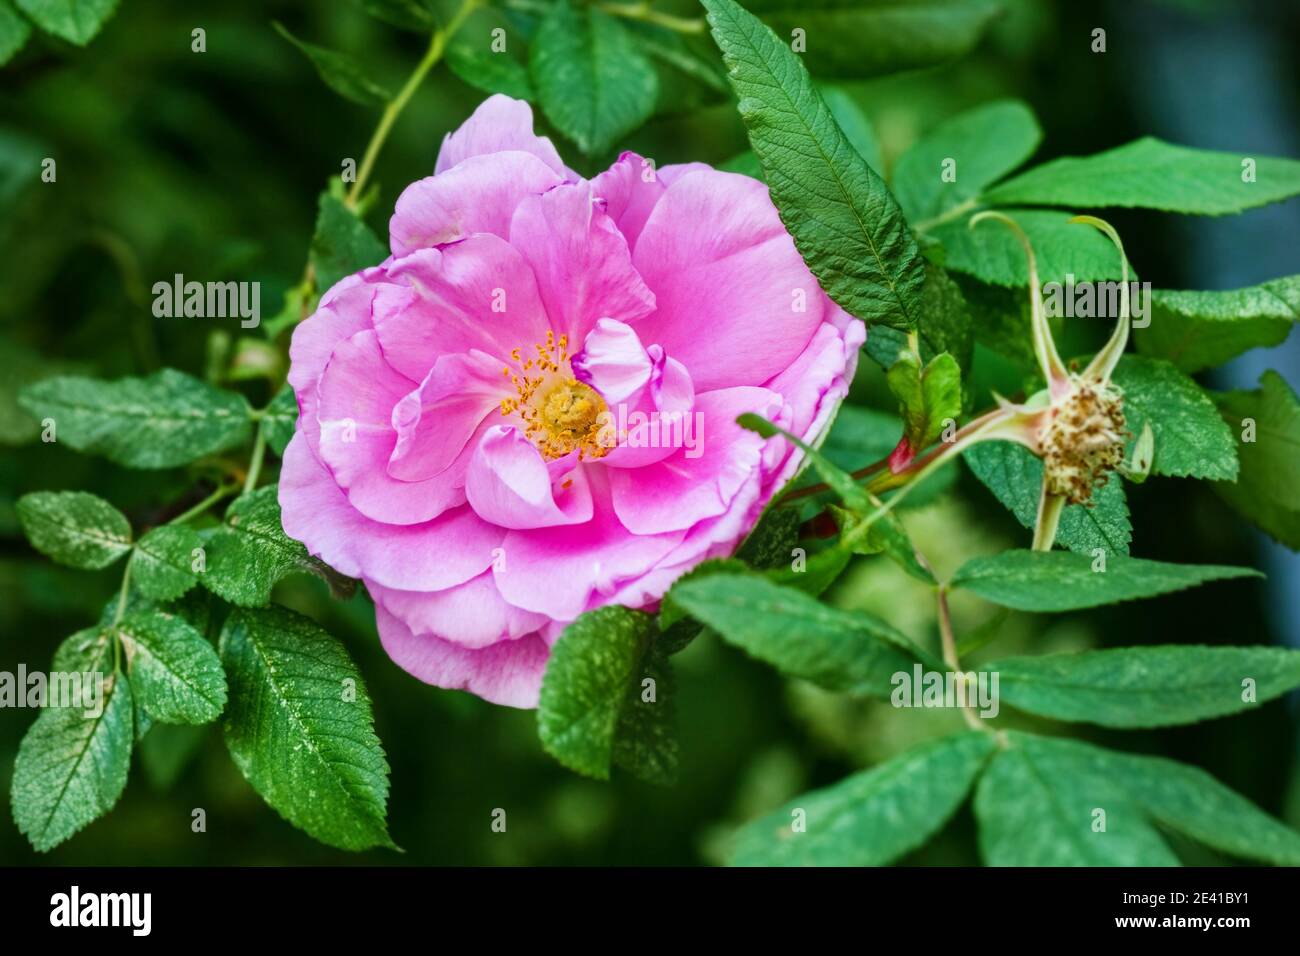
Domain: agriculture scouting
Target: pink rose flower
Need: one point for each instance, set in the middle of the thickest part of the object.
(529, 410)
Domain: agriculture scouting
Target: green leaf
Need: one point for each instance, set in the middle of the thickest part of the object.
(341, 73)
(593, 675)
(74, 528)
(1152, 174)
(76, 21)
(992, 254)
(854, 39)
(854, 124)
(953, 162)
(773, 539)
(404, 14)
(1188, 800)
(162, 566)
(645, 742)
(175, 674)
(1147, 686)
(1191, 439)
(14, 31)
(846, 225)
(886, 534)
(1015, 476)
(1267, 490)
(475, 63)
(1198, 330)
(343, 244)
(72, 768)
(671, 49)
(857, 653)
(874, 817)
(280, 419)
(929, 399)
(593, 82)
(161, 421)
(300, 728)
(1063, 581)
(250, 553)
(1039, 804)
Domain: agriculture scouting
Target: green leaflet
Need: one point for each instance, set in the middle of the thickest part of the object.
(74, 528)
(645, 741)
(594, 690)
(161, 421)
(1147, 686)
(342, 73)
(1152, 174)
(929, 399)
(1015, 476)
(1190, 801)
(951, 163)
(846, 225)
(851, 39)
(163, 565)
(992, 254)
(175, 674)
(71, 768)
(14, 31)
(1190, 437)
(76, 21)
(248, 554)
(790, 630)
(1063, 581)
(1267, 490)
(471, 58)
(404, 14)
(854, 124)
(1198, 330)
(592, 81)
(280, 419)
(1038, 805)
(872, 817)
(342, 244)
(299, 727)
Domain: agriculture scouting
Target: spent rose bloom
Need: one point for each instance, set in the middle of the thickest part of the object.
(529, 410)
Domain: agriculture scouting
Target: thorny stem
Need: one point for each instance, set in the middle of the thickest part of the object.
(646, 14)
(437, 46)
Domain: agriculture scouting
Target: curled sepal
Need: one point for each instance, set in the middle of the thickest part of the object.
(1049, 360)
(1138, 466)
(1050, 507)
(1104, 362)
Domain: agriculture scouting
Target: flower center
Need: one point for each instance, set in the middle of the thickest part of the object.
(1083, 441)
(559, 412)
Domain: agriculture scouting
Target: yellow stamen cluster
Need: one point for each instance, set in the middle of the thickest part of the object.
(559, 413)
(1083, 441)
